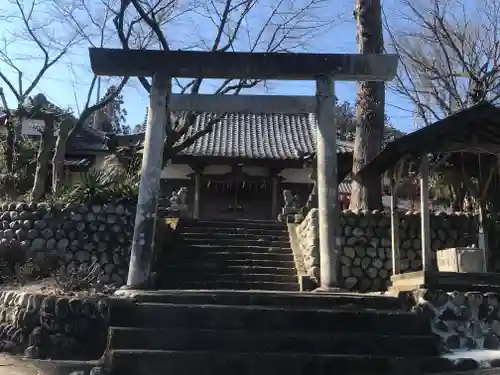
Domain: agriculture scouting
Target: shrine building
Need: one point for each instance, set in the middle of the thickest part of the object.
(240, 169)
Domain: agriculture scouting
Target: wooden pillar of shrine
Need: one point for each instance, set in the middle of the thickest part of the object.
(424, 214)
(328, 206)
(196, 191)
(275, 193)
(141, 255)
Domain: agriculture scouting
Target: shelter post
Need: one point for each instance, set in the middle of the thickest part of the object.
(149, 188)
(396, 260)
(274, 198)
(328, 206)
(424, 213)
(482, 235)
(196, 195)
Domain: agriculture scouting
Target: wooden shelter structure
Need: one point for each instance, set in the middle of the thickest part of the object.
(470, 132)
(165, 65)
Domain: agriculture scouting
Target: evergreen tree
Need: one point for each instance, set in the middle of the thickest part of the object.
(112, 117)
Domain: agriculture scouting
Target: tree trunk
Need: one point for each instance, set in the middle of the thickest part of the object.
(18, 126)
(10, 183)
(369, 108)
(42, 161)
(59, 154)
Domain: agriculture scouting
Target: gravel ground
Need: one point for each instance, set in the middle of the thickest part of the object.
(13, 365)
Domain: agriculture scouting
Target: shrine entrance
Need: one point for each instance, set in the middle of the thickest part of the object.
(163, 66)
(227, 197)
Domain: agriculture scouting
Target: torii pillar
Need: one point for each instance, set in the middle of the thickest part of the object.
(165, 65)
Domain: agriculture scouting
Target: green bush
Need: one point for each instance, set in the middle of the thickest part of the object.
(111, 183)
(82, 279)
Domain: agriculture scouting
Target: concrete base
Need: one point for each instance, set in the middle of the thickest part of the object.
(485, 371)
(330, 290)
(461, 259)
(445, 281)
(307, 284)
(130, 292)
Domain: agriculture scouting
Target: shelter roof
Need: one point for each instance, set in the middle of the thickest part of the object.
(474, 130)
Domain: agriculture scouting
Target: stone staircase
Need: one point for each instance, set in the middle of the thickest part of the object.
(263, 333)
(234, 255)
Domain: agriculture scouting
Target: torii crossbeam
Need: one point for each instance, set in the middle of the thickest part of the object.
(165, 65)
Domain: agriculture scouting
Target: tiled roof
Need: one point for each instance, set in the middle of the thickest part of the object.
(87, 140)
(258, 136)
(345, 187)
(71, 161)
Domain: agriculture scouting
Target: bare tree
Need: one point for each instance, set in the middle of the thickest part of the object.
(52, 29)
(29, 27)
(369, 108)
(450, 60)
(217, 25)
(92, 23)
(450, 55)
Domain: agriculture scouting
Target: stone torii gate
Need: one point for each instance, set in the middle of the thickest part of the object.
(165, 65)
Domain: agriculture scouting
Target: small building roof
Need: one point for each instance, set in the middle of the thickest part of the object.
(475, 130)
(87, 140)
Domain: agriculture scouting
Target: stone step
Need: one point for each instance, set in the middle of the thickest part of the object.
(264, 298)
(236, 236)
(246, 224)
(207, 248)
(235, 242)
(273, 341)
(218, 255)
(227, 261)
(186, 275)
(228, 269)
(230, 230)
(231, 285)
(152, 362)
(265, 318)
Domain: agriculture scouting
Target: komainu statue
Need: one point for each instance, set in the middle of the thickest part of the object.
(292, 204)
(178, 200)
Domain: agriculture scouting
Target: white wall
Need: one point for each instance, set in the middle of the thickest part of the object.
(176, 172)
(297, 175)
(290, 175)
(32, 127)
(217, 169)
(255, 171)
(29, 127)
(99, 161)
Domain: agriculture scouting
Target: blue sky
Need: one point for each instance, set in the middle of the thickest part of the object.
(67, 83)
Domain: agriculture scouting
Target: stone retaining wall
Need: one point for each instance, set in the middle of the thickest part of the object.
(74, 237)
(366, 262)
(462, 320)
(50, 326)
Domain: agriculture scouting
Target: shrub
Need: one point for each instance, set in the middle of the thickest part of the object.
(19, 273)
(22, 178)
(83, 279)
(111, 183)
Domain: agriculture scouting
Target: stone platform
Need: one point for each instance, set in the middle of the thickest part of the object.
(254, 332)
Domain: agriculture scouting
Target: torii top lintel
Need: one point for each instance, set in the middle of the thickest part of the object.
(287, 66)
